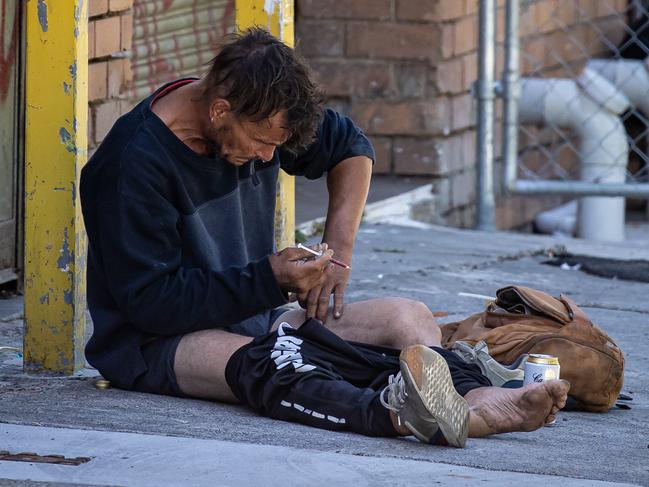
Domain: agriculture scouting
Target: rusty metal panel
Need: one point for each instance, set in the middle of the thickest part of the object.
(175, 38)
(9, 133)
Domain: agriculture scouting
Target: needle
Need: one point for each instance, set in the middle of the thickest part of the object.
(319, 254)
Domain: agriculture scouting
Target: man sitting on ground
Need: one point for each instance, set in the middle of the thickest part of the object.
(178, 203)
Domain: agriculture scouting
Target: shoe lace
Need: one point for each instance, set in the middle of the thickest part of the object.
(395, 392)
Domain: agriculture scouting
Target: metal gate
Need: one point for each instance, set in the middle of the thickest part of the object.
(10, 137)
(175, 38)
(576, 121)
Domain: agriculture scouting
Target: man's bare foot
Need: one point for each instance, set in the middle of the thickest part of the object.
(497, 410)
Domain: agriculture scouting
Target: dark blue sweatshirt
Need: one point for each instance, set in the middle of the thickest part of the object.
(179, 242)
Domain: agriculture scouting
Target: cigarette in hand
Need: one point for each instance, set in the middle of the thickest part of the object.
(319, 254)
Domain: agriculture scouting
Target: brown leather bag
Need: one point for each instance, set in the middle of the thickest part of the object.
(523, 320)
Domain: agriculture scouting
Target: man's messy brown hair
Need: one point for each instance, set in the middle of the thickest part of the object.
(259, 76)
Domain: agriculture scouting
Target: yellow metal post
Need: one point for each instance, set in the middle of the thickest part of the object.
(55, 150)
(276, 16)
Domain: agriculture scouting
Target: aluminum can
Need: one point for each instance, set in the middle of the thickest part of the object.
(540, 368)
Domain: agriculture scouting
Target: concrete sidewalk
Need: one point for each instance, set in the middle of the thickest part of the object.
(431, 264)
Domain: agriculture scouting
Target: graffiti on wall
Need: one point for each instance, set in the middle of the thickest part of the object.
(173, 38)
(8, 44)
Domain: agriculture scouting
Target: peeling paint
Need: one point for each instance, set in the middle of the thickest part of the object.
(66, 88)
(42, 14)
(63, 359)
(73, 70)
(74, 191)
(45, 298)
(66, 140)
(67, 258)
(68, 297)
(269, 6)
(77, 10)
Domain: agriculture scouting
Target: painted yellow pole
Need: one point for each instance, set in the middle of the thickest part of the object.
(276, 16)
(56, 74)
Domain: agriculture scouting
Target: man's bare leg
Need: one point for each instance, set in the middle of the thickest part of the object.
(390, 322)
(497, 410)
(200, 363)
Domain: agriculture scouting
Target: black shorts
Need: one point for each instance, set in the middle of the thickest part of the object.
(159, 354)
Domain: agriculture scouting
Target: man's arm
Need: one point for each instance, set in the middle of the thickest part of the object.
(348, 184)
(343, 152)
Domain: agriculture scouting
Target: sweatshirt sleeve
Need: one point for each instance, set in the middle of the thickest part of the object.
(337, 138)
(140, 248)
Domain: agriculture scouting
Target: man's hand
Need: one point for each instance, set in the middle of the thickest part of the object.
(297, 271)
(316, 301)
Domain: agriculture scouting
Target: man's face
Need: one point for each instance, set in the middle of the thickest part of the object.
(239, 140)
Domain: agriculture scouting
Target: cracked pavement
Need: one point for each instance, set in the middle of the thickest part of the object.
(433, 265)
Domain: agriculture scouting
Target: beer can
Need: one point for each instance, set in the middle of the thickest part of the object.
(540, 368)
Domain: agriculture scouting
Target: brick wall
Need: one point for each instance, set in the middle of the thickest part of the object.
(403, 70)
(109, 67)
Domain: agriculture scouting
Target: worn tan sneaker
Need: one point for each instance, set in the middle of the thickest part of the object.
(425, 400)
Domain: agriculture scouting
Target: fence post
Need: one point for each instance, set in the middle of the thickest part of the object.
(511, 93)
(56, 76)
(277, 16)
(485, 94)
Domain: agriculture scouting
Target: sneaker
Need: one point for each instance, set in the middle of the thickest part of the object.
(425, 400)
(499, 375)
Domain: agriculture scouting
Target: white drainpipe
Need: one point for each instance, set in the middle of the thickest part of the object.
(590, 107)
(630, 76)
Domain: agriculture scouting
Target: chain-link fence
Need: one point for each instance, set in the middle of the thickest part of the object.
(576, 108)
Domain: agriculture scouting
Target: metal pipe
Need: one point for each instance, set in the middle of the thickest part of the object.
(485, 95)
(511, 93)
(582, 188)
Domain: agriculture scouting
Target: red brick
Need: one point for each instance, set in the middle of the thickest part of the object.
(97, 7)
(107, 36)
(344, 9)
(418, 10)
(411, 79)
(91, 39)
(320, 38)
(587, 9)
(448, 40)
(543, 13)
(463, 188)
(527, 21)
(469, 141)
(395, 41)
(533, 54)
(566, 13)
(416, 156)
(126, 34)
(400, 118)
(470, 71)
(119, 5)
(450, 76)
(466, 35)
(471, 7)
(462, 108)
(105, 116)
(355, 78)
(383, 149)
(442, 192)
(118, 76)
(451, 154)
(450, 9)
(97, 81)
